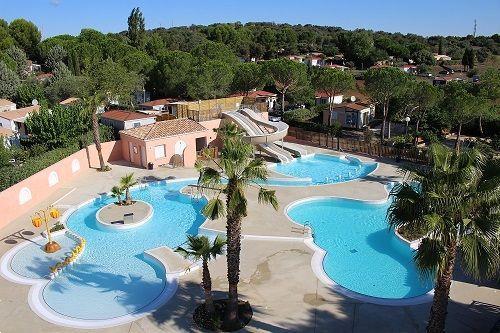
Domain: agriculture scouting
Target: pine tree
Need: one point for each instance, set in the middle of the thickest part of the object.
(136, 28)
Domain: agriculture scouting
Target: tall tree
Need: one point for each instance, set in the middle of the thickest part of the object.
(460, 105)
(26, 35)
(382, 84)
(456, 205)
(110, 82)
(489, 89)
(20, 59)
(418, 97)
(136, 28)
(287, 75)
(54, 56)
(9, 81)
(171, 73)
(332, 82)
(211, 79)
(248, 76)
(234, 172)
(200, 248)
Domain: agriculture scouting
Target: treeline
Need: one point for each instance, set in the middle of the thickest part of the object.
(200, 61)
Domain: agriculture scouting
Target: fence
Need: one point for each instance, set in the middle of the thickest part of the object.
(374, 149)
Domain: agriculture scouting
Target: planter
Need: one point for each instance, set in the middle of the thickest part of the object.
(54, 233)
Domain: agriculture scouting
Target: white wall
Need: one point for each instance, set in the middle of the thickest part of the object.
(7, 124)
(143, 122)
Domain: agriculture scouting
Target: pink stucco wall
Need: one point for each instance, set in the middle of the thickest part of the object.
(44, 183)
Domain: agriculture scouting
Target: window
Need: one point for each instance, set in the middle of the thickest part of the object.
(159, 151)
(137, 125)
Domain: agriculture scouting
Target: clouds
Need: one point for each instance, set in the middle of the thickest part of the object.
(55, 3)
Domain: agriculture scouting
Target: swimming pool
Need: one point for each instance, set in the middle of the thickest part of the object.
(362, 254)
(114, 277)
(325, 169)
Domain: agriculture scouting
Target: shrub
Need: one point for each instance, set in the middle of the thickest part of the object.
(13, 174)
(299, 115)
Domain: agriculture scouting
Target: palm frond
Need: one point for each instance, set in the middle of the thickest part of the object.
(430, 257)
(269, 197)
(214, 209)
(480, 256)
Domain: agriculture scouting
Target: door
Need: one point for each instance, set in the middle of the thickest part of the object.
(143, 156)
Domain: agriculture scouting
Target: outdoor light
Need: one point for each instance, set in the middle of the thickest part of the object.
(407, 119)
(44, 216)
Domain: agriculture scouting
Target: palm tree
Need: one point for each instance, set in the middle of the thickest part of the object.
(456, 202)
(230, 176)
(117, 192)
(92, 104)
(200, 248)
(126, 182)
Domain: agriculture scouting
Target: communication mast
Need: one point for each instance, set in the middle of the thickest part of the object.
(475, 26)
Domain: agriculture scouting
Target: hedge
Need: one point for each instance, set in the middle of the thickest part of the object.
(13, 174)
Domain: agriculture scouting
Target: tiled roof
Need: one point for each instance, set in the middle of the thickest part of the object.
(156, 102)
(164, 129)
(123, 115)
(353, 106)
(261, 93)
(19, 113)
(5, 132)
(68, 101)
(5, 102)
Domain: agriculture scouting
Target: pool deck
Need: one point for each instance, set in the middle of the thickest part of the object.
(276, 273)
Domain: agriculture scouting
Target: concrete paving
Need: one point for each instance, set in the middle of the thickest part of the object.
(276, 275)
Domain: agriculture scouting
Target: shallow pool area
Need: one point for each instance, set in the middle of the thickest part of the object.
(114, 277)
(362, 254)
(325, 169)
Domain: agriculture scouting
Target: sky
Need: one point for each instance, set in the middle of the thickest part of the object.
(423, 17)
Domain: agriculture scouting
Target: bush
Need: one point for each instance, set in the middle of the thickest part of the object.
(13, 174)
(299, 115)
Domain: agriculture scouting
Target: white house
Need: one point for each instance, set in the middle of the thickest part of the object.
(122, 119)
(408, 68)
(262, 96)
(14, 119)
(351, 115)
(163, 105)
(441, 57)
(323, 98)
(6, 105)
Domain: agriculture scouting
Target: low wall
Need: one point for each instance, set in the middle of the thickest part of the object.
(20, 198)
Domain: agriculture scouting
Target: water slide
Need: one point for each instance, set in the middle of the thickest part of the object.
(262, 133)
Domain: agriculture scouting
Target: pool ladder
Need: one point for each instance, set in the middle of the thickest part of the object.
(307, 229)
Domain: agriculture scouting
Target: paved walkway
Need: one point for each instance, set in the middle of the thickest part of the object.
(276, 275)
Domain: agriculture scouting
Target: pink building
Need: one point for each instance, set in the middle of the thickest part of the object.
(162, 142)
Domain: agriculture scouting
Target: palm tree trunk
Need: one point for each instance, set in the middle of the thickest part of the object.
(233, 230)
(127, 196)
(481, 125)
(437, 318)
(283, 102)
(382, 131)
(97, 140)
(457, 142)
(207, 287)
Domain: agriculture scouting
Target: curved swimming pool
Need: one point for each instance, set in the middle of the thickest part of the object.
(114, 277)
(362, 254)
(325, 169)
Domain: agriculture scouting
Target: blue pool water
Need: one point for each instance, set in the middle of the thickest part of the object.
(363, 255)
(325, 169)
(113, 276)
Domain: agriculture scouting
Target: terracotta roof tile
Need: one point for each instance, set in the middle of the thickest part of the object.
(19, 113)
(5, 132)
(69, 101)
(5, 102)
(156, 102)
(164, 129)
(123, 115)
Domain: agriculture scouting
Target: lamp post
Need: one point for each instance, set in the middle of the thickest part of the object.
(44, 216)
(407, 119)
